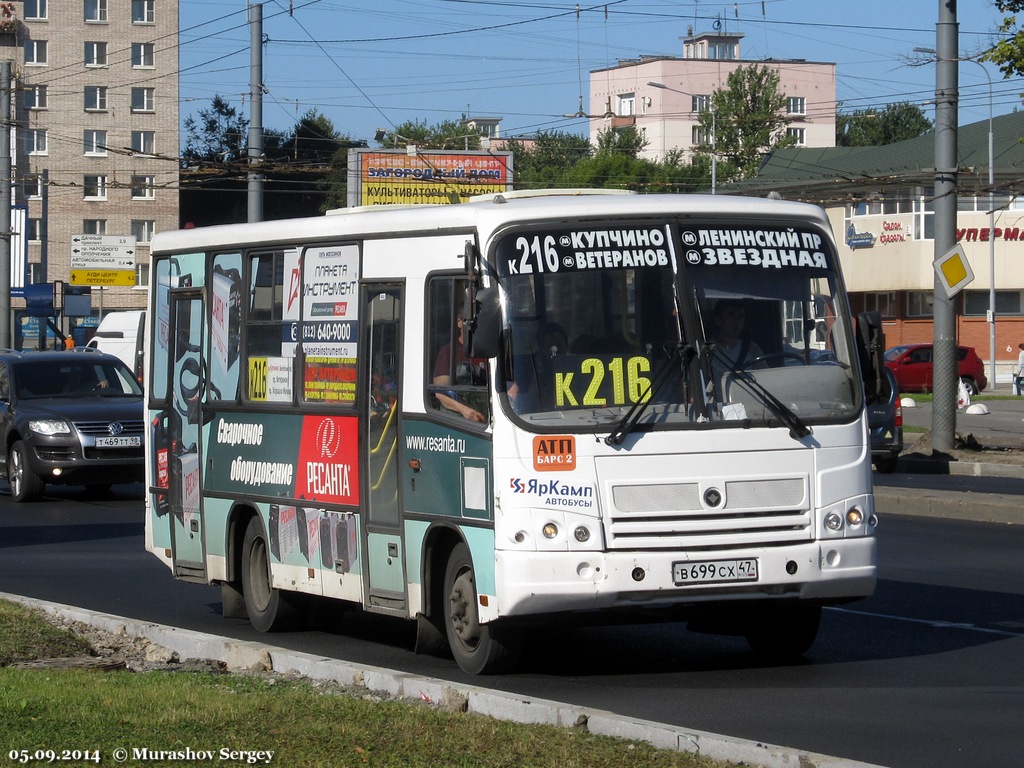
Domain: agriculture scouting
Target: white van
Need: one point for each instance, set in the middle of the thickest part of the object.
(121, 334)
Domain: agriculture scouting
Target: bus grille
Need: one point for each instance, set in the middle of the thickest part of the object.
(678, 516)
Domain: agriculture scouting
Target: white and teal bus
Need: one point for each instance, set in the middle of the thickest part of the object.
(488, 416)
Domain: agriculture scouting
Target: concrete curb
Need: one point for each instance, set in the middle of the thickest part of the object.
(240, 655)
(983, 508)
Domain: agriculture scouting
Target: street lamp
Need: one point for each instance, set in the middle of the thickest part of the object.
(714, 158)
(991, 223)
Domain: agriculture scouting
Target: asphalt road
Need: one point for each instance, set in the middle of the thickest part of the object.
(1003, 425)
(927, 672)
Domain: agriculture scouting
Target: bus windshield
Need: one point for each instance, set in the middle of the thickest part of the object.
(693, 324)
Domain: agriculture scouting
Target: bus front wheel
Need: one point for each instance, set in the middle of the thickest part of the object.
(269, 609)
(478, 648)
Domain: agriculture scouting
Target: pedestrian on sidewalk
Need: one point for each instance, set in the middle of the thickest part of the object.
(1018, 372)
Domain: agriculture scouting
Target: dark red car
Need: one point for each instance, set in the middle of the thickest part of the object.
(911, 364)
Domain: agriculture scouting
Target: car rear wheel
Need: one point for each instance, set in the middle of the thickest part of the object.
(972, 386)
(25, 484)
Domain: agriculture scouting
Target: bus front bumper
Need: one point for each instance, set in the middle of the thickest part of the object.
(555, 582)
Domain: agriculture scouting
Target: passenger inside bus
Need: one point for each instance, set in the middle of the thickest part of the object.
(732, 349)
(467, 372)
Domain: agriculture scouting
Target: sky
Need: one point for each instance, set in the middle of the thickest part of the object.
(379, 63)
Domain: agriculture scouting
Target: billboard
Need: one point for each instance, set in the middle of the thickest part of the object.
(398, 176)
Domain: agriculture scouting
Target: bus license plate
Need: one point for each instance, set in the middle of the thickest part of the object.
(129, 441)
(714, 572)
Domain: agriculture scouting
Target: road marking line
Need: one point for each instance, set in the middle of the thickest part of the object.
(931, 622)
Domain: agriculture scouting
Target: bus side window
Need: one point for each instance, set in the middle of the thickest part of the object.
(457, 385)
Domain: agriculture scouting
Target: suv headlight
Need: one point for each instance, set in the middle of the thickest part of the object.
(50, 427)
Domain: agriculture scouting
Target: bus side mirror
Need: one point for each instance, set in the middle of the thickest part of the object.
(485, 328)
(870, 343)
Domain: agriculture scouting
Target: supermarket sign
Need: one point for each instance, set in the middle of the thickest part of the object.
(390, 177)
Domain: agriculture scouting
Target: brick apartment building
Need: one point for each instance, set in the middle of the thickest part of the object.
(95, 142)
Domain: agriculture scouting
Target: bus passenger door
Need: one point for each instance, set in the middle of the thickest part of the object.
(177, 440)
(381, 446)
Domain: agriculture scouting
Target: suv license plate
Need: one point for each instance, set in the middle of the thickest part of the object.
(714, 571)
(129, 441)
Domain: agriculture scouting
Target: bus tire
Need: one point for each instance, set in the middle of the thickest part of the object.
(783, 633)
(269, 609)
(479, 649)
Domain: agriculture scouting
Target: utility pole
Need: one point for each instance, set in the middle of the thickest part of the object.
(5, 204)
(255, 153)
(945, 368)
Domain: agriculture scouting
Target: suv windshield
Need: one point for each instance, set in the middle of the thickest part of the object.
(52, 378)
(720, 323)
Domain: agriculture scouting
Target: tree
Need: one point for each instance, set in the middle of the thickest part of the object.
(541, 162)
(448, 134)
(746, 119)
(220, 135)
(1008, 52)
(871, 128)
(621, 141)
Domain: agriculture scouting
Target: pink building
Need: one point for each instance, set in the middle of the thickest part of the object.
(663, 95)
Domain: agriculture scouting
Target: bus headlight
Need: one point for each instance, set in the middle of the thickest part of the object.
(581, 534)
(550, 530)
(833, 521)
(854, 517)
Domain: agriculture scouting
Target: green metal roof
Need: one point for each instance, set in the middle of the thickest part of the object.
(830, 175)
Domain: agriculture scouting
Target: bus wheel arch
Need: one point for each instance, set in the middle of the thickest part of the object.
(478, 648)
(231, 594)
(431, 638)
(269, 609)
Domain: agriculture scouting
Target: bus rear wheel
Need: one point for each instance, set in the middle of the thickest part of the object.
(269, 609)
(478, 649)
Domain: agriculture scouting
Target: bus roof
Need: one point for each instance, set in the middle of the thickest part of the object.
(485, 213)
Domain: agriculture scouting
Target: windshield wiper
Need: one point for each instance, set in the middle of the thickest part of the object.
(797, 428)
(627, 422)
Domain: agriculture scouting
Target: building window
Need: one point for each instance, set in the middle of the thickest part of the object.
(627, 105)
(700, 137)
(35, 230)
(799, 136)
(700, 104)
(796, 105)
(920, 303)
(95, 143)
(143, 230)
(35, 141)
(35, 97)
(95, 98)
(32, 186)
(883, 303)
(94, 187)
(35, 52)
(95, 54)
(143, 187)
(35, 10)
(142, 275)
(142, 55)
(96, 11)
(94, 226)
(143, 99)
(143, 142)
(143, 11)
(1007, 303)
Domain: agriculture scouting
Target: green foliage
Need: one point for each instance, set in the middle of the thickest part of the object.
(219, 135)
(621, 141)
(747, 121)
(1008, 52)
(448, 134)
(26, 636)
(873, 128)
(302, 724)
